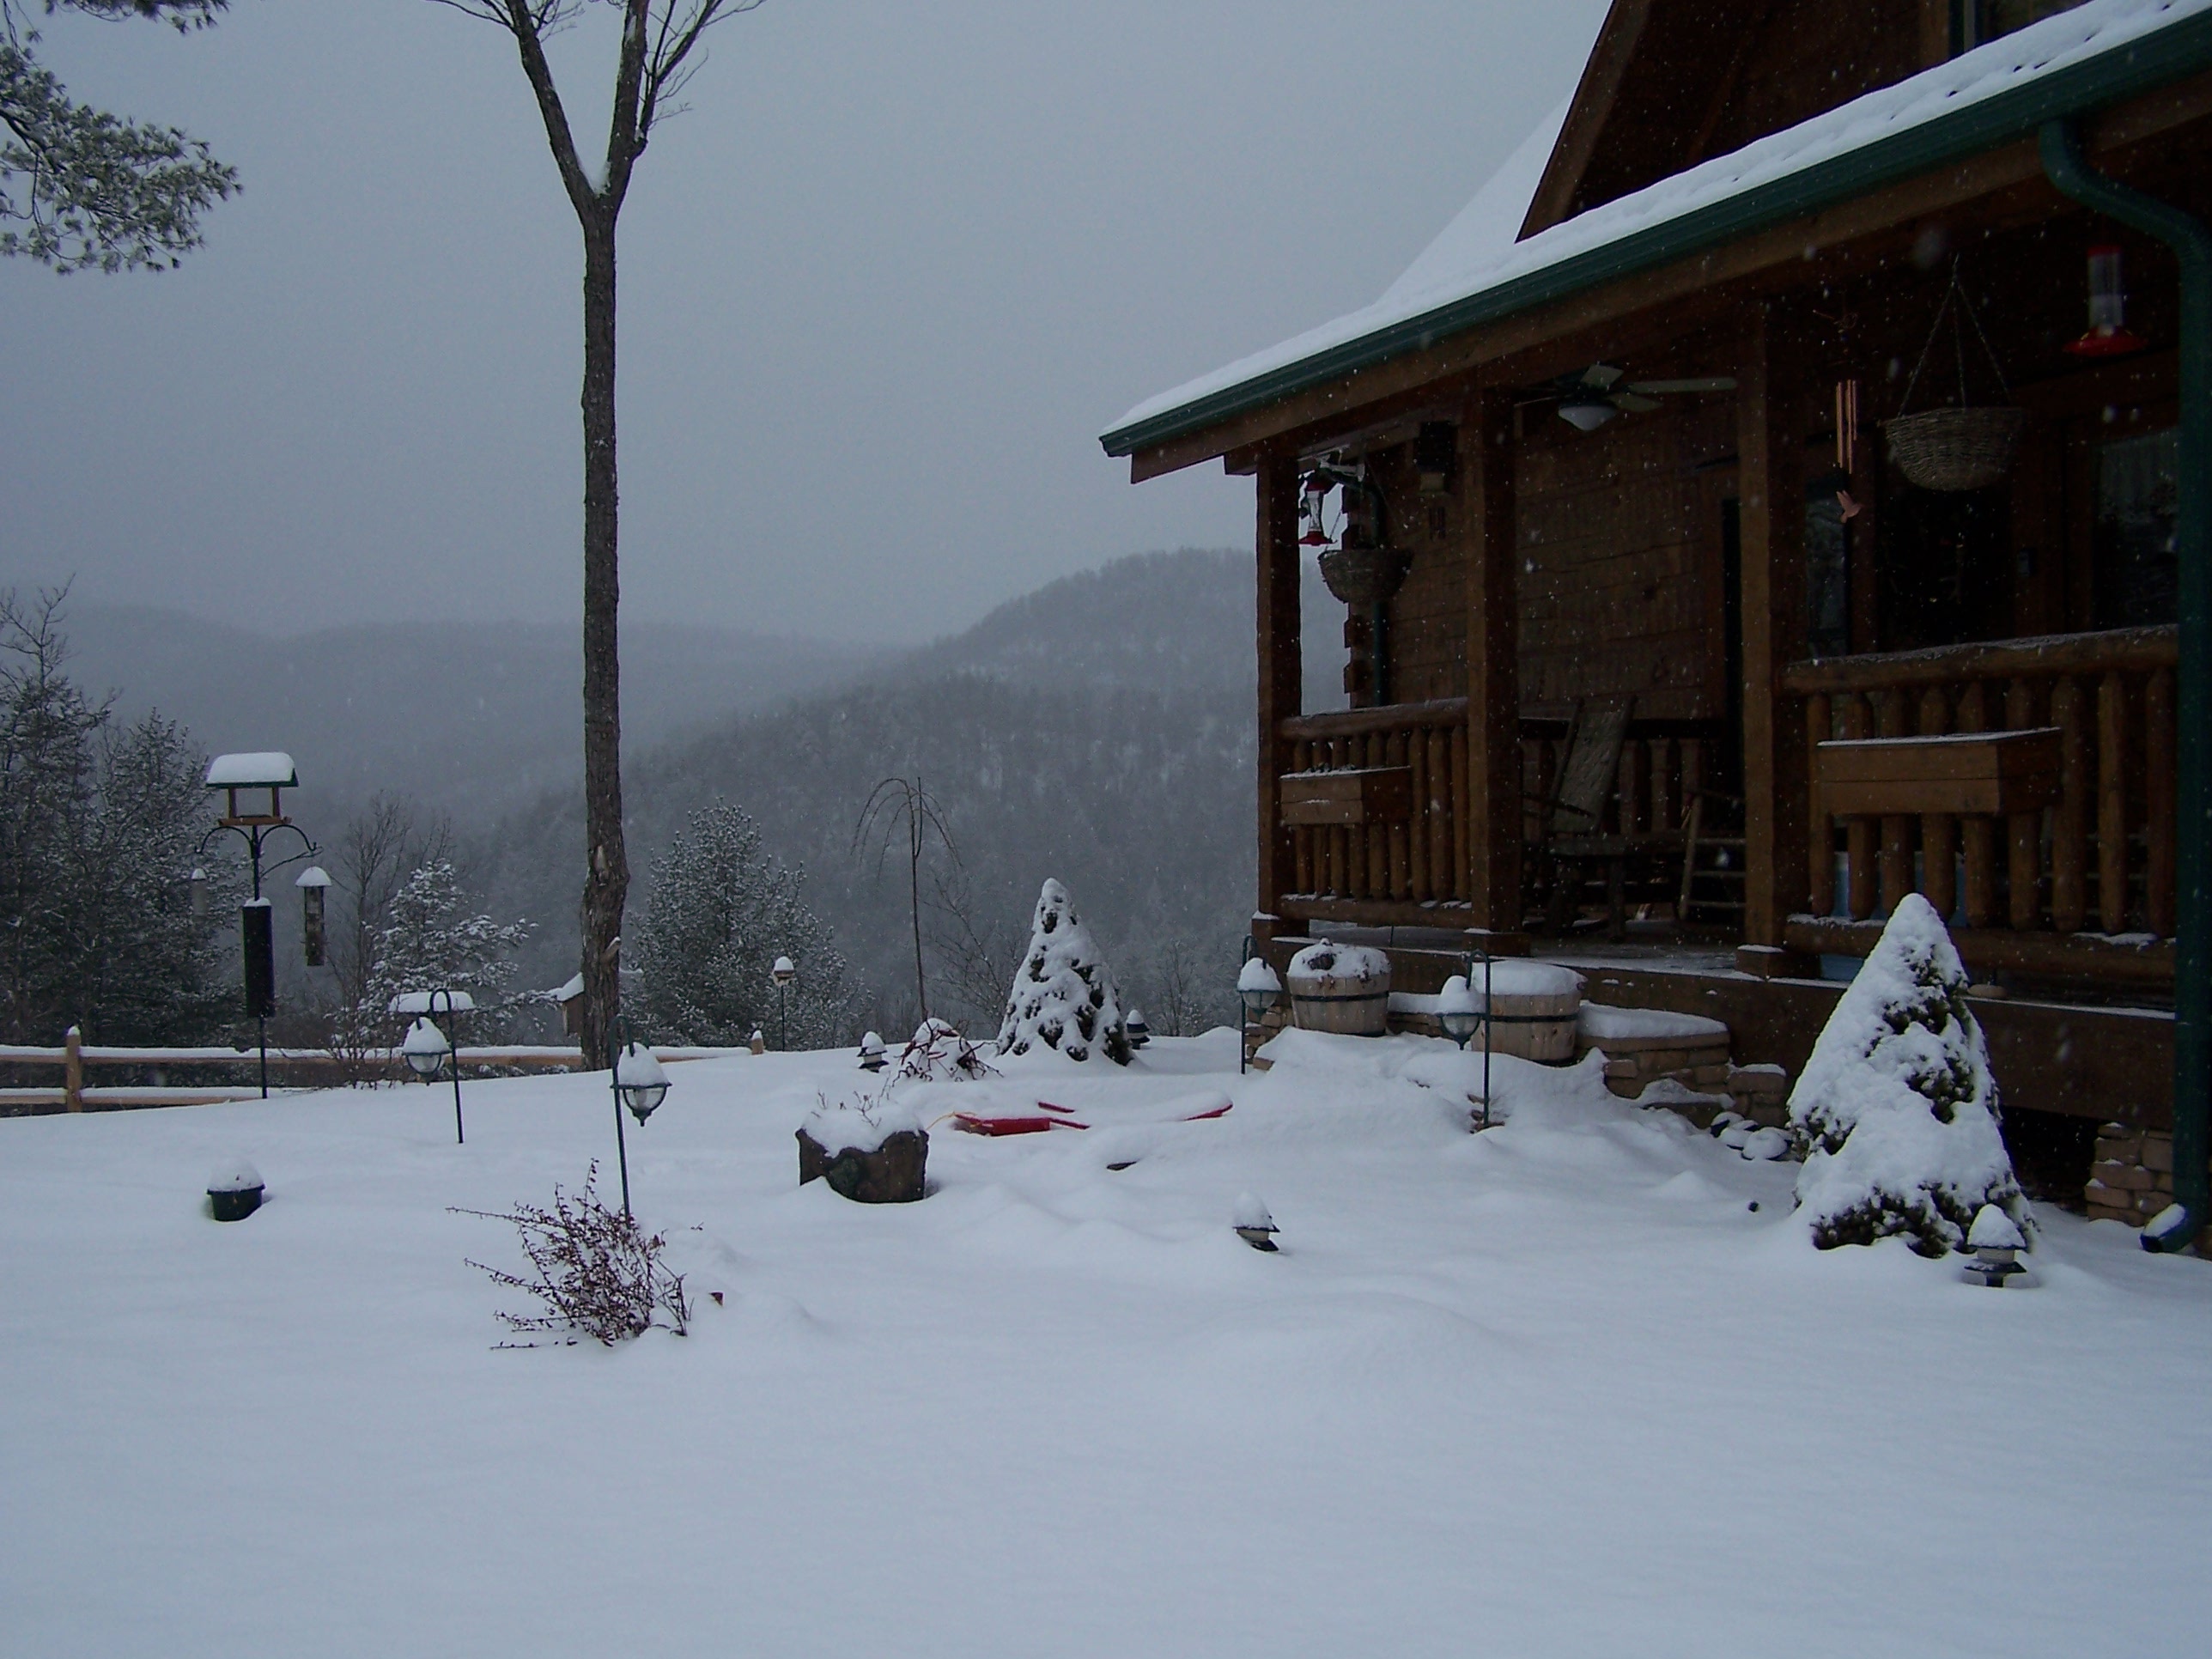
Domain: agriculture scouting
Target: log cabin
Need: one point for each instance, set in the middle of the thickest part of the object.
(1810, 429)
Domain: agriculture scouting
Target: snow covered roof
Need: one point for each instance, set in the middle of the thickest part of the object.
(270, 768)
(2097, 54)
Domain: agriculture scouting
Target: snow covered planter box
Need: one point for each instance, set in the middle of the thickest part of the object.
(1896, 1111)
(1344, 988)
(1642, 1045)
(236, 1192)
(1537, 1003)
(873, 1151)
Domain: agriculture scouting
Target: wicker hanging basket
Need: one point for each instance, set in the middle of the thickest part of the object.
(1965, 445)
(1955, 449)
(1364, 577)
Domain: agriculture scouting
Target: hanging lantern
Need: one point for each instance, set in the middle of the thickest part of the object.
(2108, 335)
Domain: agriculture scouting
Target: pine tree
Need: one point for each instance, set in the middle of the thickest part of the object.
(430, 941)
(1897, 1111)
(720, 912)
(100, 827)
(1064, 997)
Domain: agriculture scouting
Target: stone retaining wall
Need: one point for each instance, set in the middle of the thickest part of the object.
(2132, 1178)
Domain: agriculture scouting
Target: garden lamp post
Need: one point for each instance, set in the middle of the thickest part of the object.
(426, 1048)
(273, 771)
(1258, 989)
(1458, 1010)
(782, 974)
(639, 1083)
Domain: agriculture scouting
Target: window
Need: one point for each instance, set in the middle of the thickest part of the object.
(2138, 574)
(1973, 21)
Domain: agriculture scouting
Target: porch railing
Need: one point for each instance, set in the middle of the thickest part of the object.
(1419, 857)
(2097, 859)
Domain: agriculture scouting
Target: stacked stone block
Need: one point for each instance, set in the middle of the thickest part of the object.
(2132, 1179)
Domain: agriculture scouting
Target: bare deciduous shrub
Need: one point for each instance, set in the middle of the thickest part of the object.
(597, 1273)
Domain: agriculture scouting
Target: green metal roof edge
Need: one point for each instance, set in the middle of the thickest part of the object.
(2143, 64)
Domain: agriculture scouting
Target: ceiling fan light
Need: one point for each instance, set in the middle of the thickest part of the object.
(1587, 413)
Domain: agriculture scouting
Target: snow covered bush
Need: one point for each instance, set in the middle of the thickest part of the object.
(432, 940)
(720, 912)
(938, 1054)
(594, 1270)
(1896, 1112)
(1063, 998)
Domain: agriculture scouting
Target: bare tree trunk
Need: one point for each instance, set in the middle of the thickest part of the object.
(606, 876)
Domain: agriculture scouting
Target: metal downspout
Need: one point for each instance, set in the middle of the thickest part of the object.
(2069, 170)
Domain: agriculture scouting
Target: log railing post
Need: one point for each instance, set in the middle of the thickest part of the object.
(2025, 863)
(1493, 679)
(1820, 828)
(1769, 470)
(1896, 827)
(1979, 834)
(73, 1069)
(2112, 803)
(2160, 774)
(2069, 831)
(1276, 537)
(1939, 831)
(1859, 895)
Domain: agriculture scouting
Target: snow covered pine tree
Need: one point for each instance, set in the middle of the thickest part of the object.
(1896, 1111)
(1063, 996)
(720, 912)
(430, 942)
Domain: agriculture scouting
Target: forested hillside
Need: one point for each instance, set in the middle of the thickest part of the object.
(1099, 731)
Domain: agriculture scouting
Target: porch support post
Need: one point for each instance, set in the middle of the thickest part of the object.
(1493, 673)
(1276, 539)
(1771, 481)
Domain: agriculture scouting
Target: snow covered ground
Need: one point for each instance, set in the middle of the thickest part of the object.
(1554, 1389)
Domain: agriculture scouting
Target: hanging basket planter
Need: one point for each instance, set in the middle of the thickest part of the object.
(1956, 449)
(1364, 577)
(1965, 445)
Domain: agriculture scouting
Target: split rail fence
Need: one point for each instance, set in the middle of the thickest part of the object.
(299, 1068)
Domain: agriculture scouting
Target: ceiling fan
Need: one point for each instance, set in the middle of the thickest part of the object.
(1588, 400)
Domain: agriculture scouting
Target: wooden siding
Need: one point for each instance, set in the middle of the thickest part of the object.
(1620, 534)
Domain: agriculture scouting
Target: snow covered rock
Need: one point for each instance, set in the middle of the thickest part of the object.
(1063, 998)
(1896, 1110)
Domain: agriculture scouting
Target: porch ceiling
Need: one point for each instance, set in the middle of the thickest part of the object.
(2098, 55)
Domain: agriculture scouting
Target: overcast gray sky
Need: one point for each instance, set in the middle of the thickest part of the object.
(881, 288)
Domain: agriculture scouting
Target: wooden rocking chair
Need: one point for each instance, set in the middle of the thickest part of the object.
(1573, 824)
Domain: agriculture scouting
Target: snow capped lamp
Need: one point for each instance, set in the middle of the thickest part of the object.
(780, 974)
(1997, 1242)
(1258, 989)
(1458, 1009)
(1139, 1033)
(640, 1081)
(1252, 1223)
(426, 1049)
(872, 1052)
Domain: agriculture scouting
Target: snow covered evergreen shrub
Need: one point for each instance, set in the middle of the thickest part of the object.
(1896, 1112)
(1063, 998)
(720, 912)
(594, 1270)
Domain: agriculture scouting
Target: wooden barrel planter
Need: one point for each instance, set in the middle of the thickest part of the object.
(1340, 988)
(1534, 1006)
